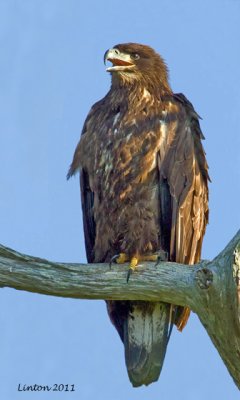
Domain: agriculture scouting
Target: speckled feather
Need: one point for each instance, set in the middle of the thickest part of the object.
(120, 158)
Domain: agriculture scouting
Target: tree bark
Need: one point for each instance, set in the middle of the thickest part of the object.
(211, 289)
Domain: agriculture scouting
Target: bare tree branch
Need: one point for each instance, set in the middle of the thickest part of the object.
(210, 288)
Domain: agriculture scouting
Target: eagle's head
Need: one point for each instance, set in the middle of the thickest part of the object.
(133, 62)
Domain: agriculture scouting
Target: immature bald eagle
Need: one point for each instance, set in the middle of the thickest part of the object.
(144, 188)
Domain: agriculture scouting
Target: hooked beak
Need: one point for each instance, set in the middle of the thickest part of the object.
(120, 61)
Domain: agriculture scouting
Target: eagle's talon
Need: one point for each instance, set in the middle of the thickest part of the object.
(157, 262)
(129, 273)
(161, 256)
(132, 266)
(113, 259)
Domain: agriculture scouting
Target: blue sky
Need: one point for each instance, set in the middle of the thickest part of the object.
(51, 72)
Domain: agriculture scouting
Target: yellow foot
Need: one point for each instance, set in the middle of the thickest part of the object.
(122, 258)
(134, 262)
(132, 266)
(136, 259)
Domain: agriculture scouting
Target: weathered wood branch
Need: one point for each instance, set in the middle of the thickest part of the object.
(210, 288)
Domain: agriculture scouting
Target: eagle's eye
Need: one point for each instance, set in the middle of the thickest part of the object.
(135, 56)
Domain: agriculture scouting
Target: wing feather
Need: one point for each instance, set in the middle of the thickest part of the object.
(89, 226)
(186, 171)
(87, 196)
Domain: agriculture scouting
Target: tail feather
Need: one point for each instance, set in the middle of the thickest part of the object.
(145, 341)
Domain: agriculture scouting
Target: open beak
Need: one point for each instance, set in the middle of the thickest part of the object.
(120, 61)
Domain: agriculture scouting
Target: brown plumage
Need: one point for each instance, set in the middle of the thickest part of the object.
(144, 188)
